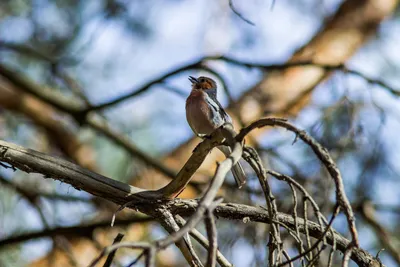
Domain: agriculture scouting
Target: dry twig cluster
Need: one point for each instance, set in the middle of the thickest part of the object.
(312, 237)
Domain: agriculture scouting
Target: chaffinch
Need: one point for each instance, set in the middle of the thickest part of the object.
(205, 114)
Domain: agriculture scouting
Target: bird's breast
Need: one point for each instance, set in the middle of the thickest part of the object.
(198, 113)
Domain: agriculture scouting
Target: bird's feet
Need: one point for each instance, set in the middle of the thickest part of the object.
(204, 136)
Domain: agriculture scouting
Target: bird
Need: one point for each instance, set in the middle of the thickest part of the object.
(205, 114)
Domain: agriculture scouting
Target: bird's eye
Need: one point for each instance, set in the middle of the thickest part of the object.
(202, 80)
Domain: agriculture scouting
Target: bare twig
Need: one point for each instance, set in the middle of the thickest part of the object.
(275, 242)
(185, 244)
(111, 256)
(325, 158)
(197, 64)
(137, 259)
(238, 13)
(315, 245)
(151, 259)
(347, 255)
(78, 230)
(212, 236)
(204, 242)
(110, 249)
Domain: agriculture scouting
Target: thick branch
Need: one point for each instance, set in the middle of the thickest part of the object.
(29, 160)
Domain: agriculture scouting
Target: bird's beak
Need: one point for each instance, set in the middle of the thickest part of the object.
(193, 79)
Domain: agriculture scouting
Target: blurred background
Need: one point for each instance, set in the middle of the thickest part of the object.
(88, 53)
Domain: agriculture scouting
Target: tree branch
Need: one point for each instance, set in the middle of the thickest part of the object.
(324, 156)
(78, 230)
(111, 256)
(148, 201)
(238, 13)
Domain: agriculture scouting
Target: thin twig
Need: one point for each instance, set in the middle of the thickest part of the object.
(347, 255)
(238, 13)
(204, 242)
(110, 249)
(78, 230)
(111, 256)
(137, 259)
(324, 156)
(185, 245)
(212, 236)
(315, 245)
(275, 242)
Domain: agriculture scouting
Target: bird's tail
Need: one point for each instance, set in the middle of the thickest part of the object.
(237, 169)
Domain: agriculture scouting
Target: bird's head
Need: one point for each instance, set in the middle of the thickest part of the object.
(203, 83)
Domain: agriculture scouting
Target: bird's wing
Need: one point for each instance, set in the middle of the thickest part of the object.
(217, 109)
(225, 115)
